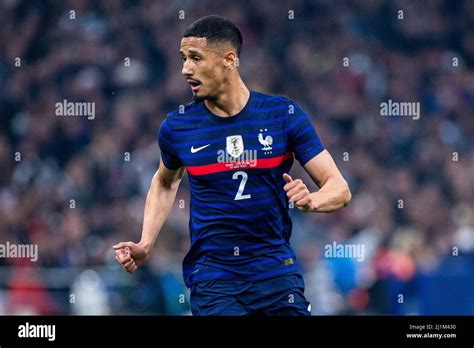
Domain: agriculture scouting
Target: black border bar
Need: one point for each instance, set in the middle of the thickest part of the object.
(138, 331)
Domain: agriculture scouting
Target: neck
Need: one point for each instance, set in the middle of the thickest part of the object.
(231, 101)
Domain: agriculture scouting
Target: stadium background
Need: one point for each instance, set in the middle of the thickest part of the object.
(423, 251)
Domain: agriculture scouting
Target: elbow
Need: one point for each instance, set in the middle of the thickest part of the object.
(346, 194)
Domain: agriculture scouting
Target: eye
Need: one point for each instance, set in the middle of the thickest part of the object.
(196, 58)
(183, 58)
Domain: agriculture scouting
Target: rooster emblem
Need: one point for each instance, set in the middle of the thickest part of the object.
(266, 142)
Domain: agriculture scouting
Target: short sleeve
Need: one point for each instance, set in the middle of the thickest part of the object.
(303, 139)
(166, 144)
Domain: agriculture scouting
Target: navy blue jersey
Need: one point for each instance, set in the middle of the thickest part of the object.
(239, 222)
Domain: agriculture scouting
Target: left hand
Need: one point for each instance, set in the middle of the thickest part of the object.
(297, 191)
(130, 255)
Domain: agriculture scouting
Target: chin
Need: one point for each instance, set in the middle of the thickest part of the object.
(199, 98)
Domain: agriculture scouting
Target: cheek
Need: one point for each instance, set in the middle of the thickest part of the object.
(212, 73)
(220, 74)
(213, 77)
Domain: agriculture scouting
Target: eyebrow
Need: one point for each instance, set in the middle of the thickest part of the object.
(191, 51)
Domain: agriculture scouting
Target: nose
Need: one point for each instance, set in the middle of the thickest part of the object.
(186, 71)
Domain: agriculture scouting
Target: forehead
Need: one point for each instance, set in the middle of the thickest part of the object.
(194, 42)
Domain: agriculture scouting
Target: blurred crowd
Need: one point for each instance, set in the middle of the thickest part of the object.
(75, 186)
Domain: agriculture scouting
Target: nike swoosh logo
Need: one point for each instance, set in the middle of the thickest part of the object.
(194, 150)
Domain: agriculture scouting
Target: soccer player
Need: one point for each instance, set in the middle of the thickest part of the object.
(237, 146)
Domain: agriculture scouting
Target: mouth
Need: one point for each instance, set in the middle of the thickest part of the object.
(195, 85)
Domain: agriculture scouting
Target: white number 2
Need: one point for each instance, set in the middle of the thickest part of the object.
(239, 194)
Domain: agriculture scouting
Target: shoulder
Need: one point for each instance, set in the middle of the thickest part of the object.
(183, 111)
(182, 115)
(274, 102)
(267, 99)
(279, 106)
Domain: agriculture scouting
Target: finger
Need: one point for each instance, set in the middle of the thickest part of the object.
(122, 245)
(120, 252)
(117, 259)
(292, 184)
(287, 178)
(304, 201)
(296, 190)
(123, 255)
(134, 268)
(122, 260)
(129, 268)
(129, 264)
(299, 196)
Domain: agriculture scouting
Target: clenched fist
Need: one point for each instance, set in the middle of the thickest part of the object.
(130, 255)
(297, 191)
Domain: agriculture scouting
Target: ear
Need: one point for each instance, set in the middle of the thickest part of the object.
(230, 60)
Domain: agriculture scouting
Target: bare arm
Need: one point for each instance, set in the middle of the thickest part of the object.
(159, 200)
(334, 192)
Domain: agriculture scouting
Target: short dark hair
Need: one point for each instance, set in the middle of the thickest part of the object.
(216, 29)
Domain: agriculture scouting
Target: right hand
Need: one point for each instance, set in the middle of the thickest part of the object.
(130, 255)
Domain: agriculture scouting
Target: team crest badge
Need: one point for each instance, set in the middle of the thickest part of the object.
(235, 145)
(266, 142)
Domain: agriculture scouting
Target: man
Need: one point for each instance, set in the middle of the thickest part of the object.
(237, 147)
